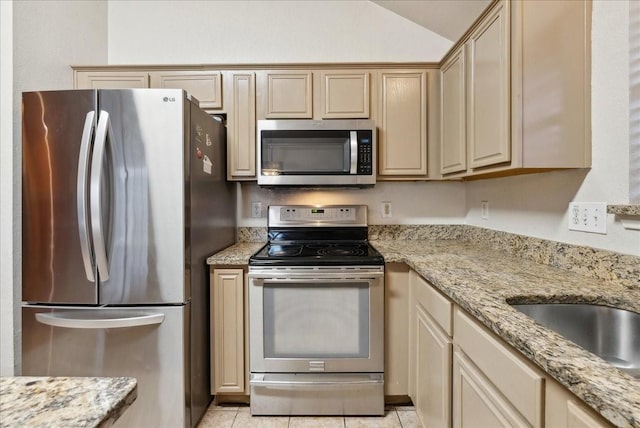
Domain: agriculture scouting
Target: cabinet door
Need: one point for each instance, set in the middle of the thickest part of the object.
(344, 94)
(289, 95)
(240, 90)
(227, 327)
(111, 79)
(433, 372)
(206, 86)
(488, 96)
(562, 408)
(453, 151)
(396, 323)
(402, 132)
(476, 402)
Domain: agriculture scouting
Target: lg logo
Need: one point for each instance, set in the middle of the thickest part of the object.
(169, 99)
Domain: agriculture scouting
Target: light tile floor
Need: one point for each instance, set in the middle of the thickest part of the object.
(240, 417)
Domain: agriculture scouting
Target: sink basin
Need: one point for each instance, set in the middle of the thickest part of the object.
(610, 333)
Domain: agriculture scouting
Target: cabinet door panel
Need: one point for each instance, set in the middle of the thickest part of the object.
(476, 402)
(345, 94)
(433, 372)
(402, 134)
(205, 86)
(241, 126)
(289, 95)
(227, 318)
(488, 101)
(111, 79)
(454, 145)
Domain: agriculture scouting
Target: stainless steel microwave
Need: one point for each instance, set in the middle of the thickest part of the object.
(316, 153)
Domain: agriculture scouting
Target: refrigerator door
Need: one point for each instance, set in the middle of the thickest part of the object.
(57, 131)
(148, 343)
(137, 198)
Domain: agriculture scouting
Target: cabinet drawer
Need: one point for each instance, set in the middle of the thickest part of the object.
(513, 376)
(435, 304)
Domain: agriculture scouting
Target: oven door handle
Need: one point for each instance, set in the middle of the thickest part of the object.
(318, 278)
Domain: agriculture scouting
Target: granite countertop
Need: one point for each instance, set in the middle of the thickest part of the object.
(484, 281)
(237, 254)
(64, 401)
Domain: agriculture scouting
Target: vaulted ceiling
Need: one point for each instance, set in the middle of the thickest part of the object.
(448, 18)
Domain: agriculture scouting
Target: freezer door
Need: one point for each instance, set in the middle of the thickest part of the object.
(57, 264)
(138, 202)
(147, 343)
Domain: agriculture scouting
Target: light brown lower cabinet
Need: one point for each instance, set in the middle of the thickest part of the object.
(228, 331)
(430, 350)
(461, 374)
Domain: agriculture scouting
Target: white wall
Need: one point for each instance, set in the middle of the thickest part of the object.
(184, 32)
(634, 111)
(411, 203)
(47, 38)
(8, 233)
(537, 205)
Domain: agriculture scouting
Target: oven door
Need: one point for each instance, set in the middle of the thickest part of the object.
(316, 320)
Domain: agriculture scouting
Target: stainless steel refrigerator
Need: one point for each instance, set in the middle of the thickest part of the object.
(124, 197)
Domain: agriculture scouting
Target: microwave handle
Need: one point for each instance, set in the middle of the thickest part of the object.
(354, 152)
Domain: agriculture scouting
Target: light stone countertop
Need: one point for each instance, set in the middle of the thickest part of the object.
(483, 281)
(235, 255)
(64, 401)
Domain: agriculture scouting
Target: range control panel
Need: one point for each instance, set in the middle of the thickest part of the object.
(315, 214)
(309, 215)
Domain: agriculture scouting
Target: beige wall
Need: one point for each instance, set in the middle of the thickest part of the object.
(42, 39)
(241, 31)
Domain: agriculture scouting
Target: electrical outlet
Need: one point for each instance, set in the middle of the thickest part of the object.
(588, 217)
(484, 210)
(386, 210)
(256, 209)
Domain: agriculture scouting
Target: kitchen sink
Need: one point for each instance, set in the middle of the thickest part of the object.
(610, 333)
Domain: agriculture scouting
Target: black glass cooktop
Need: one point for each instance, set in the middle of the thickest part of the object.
(309, 253)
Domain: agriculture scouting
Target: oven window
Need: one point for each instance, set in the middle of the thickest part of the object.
(305, 152)
(316, 321)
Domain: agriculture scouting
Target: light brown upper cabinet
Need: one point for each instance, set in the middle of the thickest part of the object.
(402, 124)
(206, 86)
(526, 75)
(453, 150)
(344, 94)
(288, 95)
(101, 79)
(240, 99)
(488, 101)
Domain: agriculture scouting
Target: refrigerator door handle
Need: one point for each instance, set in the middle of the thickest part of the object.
(81, 190)
(103, 130)
(77, 320)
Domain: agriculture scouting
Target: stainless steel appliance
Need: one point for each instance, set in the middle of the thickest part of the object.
(316, 298)
(124, 196)
(316, 152)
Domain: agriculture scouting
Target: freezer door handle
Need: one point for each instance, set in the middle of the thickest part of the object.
(99, 152)
(81, 190)
(88, 319)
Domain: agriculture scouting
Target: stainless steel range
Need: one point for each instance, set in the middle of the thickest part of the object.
(316, 298)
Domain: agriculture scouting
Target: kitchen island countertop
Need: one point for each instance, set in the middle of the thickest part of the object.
(64, 401)
(484, 281)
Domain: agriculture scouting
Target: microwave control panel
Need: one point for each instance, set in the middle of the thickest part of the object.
(365, 153)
